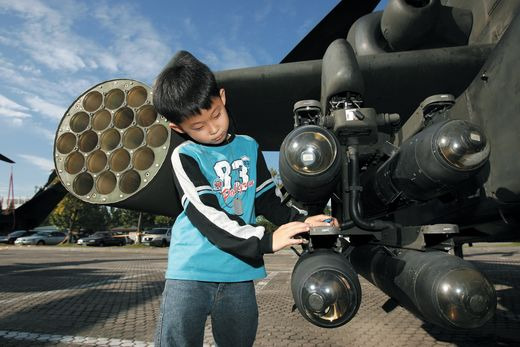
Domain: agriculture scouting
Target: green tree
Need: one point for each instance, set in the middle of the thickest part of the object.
(276, 177)
(121, 217)
(164, 221)
(73, 214)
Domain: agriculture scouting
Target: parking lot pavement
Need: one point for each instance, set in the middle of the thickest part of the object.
(110, 297)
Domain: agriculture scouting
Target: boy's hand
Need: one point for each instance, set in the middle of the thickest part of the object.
(284, 235)
(321, 220)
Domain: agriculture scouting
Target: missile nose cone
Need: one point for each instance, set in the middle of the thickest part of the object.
(466, 298)
(325, 288)
(478, 304)
(316, 302)
(462, 145)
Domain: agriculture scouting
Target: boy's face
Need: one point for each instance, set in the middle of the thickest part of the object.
(209, 126)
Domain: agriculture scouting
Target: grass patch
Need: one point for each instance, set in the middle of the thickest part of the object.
(135, 245)
(68, 245)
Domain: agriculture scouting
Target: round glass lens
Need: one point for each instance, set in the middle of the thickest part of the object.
(310, 152)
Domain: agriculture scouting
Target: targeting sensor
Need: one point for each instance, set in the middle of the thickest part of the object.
(310, 163)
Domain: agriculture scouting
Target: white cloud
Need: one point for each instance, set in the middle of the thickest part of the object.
(10, 113)
(235, 27)
(31, 69)
(25, 83)
(136, 47)
(56, 48)
(13, 112)
(225, 57)
(31, 9)
(305, 27)
(44, 33)
(46, 133)
(8, 103)
(76, 86)
(50, 37)
(190, 28)
(16, 115)
(8, 41)
(108, 61)
(16, 122)
(131, 43)
(46, 108)
(263, 13)
(42, 163)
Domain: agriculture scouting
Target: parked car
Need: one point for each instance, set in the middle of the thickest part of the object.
(157, 237)
(130, 231)
(46, 228)
(123, 237)
(42, 238)
(11, 237)
(129, 240)
(102, 238)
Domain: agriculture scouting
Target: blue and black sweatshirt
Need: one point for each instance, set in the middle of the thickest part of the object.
(210, 242)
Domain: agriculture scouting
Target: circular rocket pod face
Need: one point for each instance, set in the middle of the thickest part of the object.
(111, 142)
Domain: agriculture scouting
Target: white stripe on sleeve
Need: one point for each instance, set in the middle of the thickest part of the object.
(219, 218)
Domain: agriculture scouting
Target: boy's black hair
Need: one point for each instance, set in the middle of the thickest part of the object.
(184, 88)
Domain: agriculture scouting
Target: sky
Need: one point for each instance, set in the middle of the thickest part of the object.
(52, 51)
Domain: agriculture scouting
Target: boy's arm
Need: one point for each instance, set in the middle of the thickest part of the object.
(267, 203)
(228, 232)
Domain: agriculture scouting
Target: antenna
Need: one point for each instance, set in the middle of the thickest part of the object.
(10, 194)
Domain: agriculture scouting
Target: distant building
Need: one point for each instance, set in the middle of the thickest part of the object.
(18, 201)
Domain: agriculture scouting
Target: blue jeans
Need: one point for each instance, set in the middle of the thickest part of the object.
(186, 305)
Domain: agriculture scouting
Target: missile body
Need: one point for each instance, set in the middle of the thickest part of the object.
(438, 287)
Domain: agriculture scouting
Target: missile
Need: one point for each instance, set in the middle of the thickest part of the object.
(440, 288)
(325, 288)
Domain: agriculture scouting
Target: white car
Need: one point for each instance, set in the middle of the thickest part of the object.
(157, 237)
(41, 238)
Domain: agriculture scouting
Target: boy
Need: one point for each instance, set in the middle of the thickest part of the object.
(215, 252)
